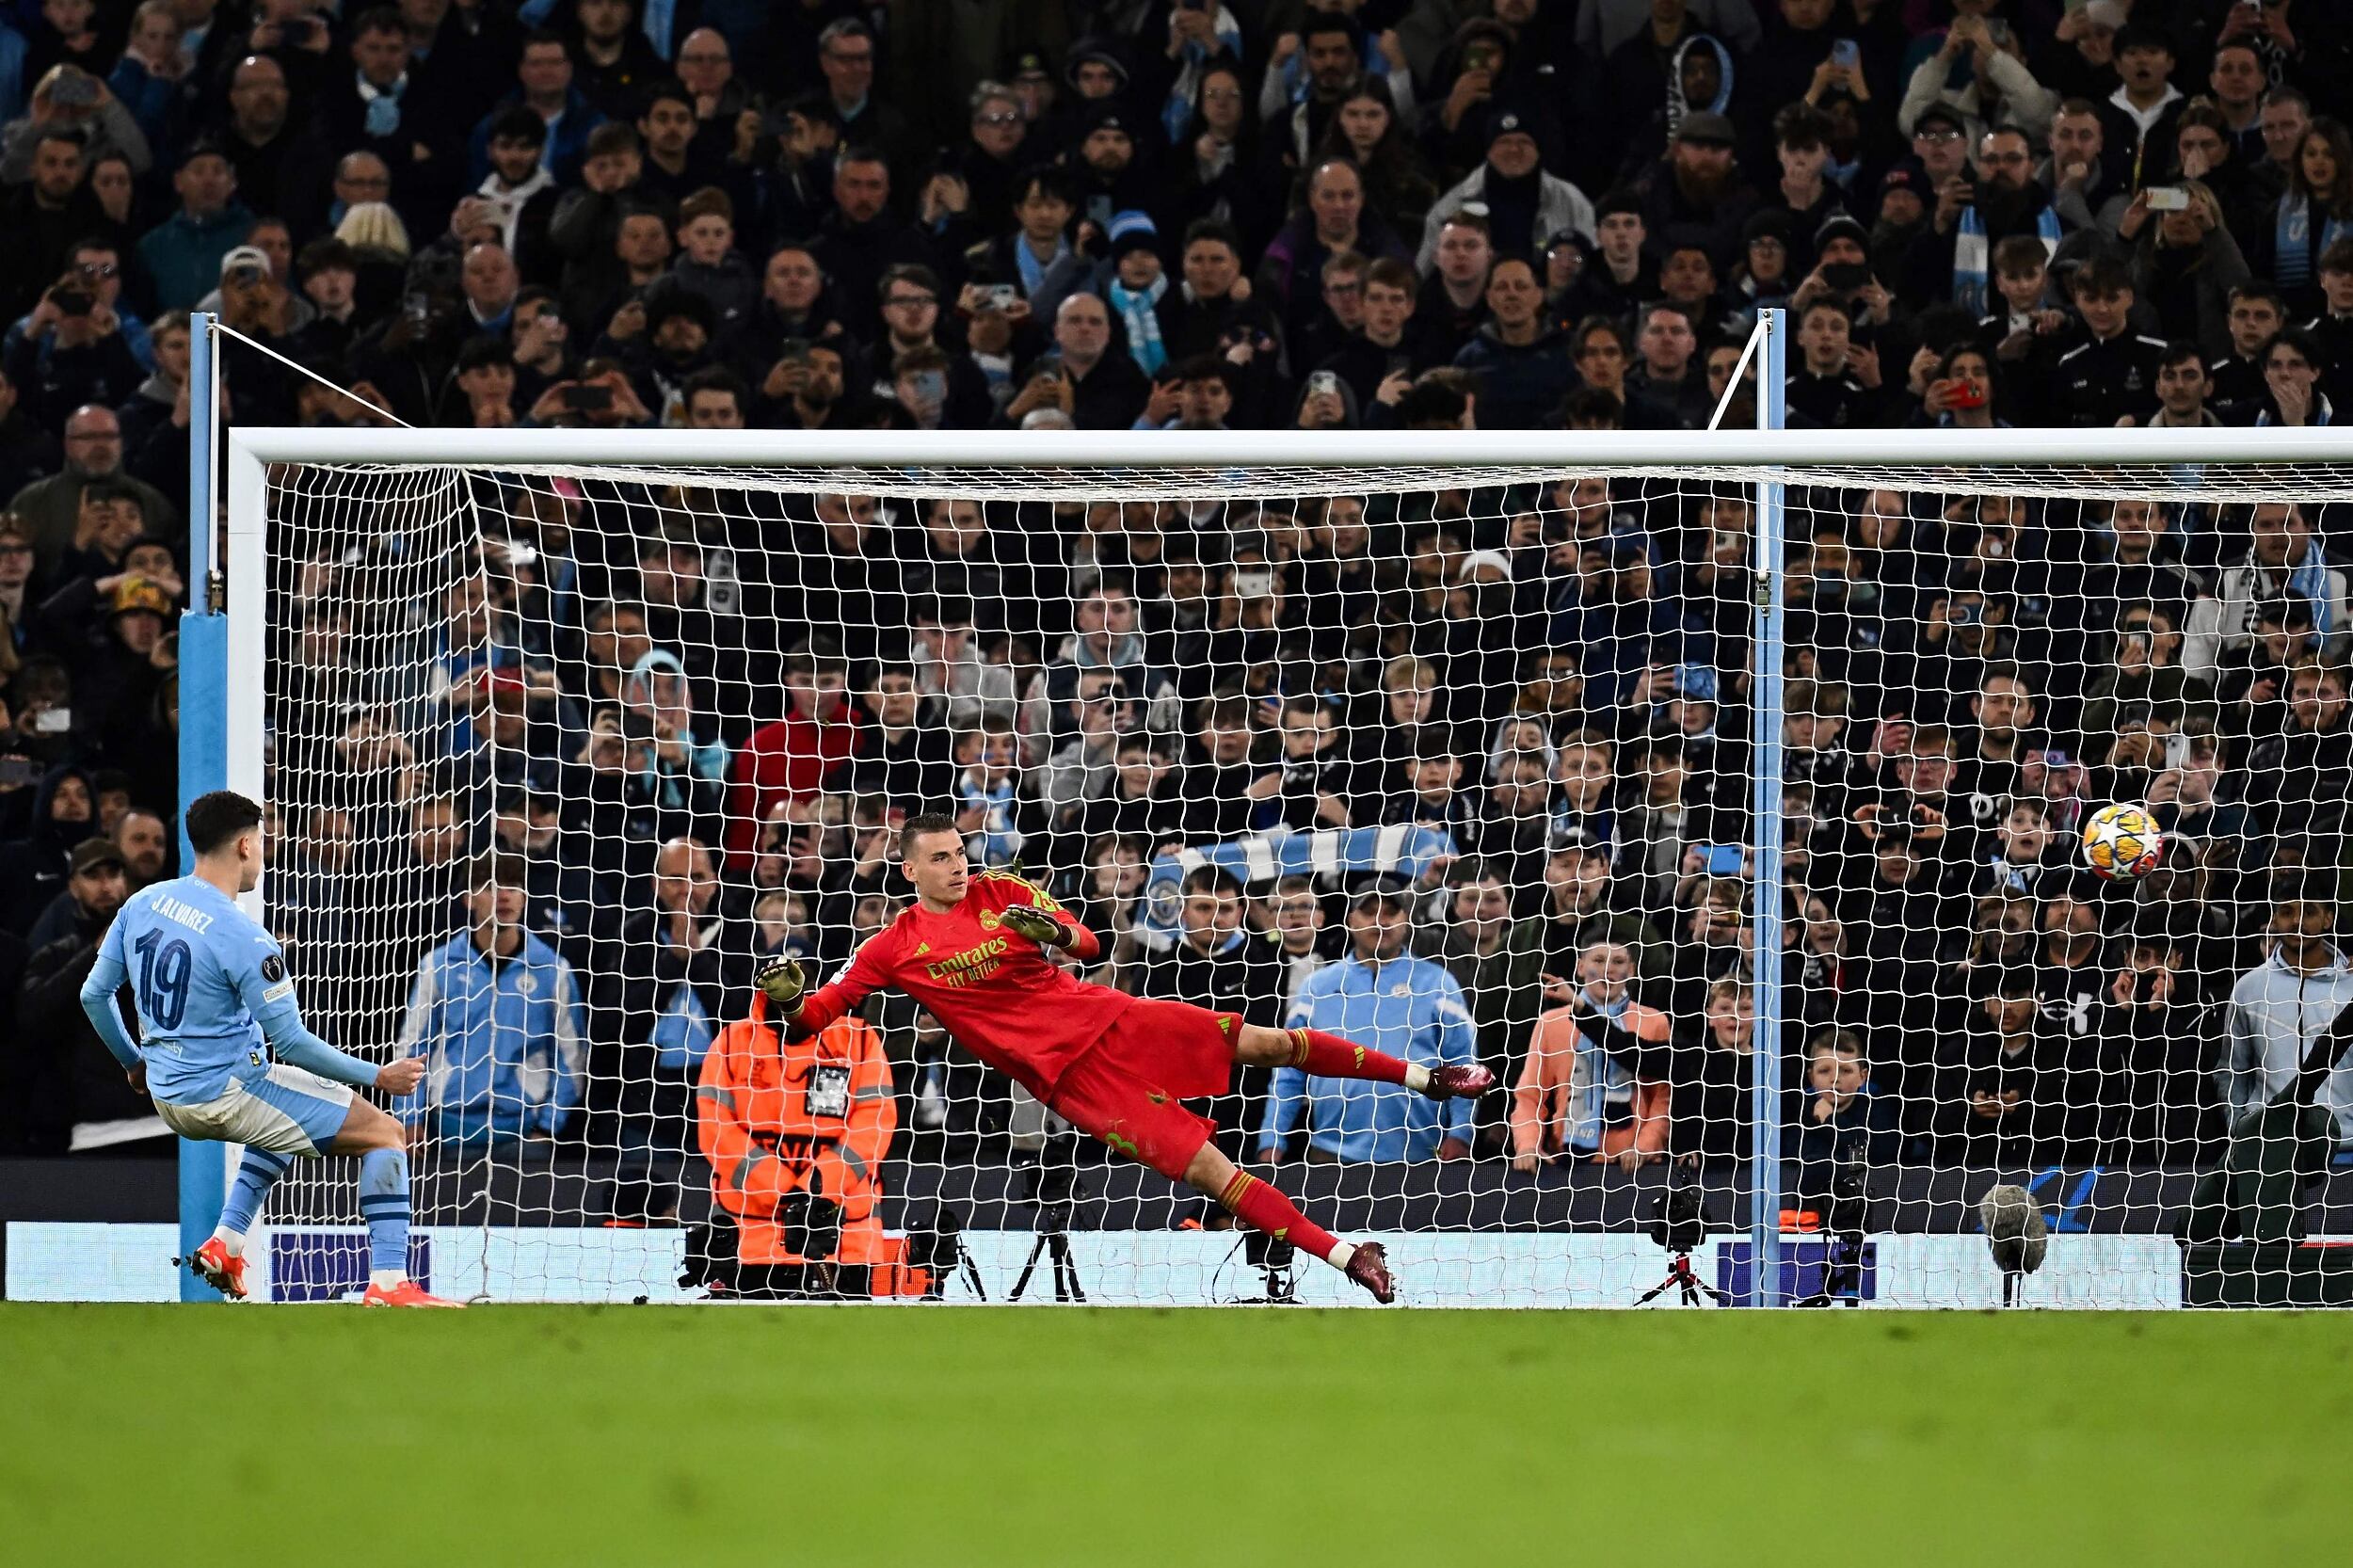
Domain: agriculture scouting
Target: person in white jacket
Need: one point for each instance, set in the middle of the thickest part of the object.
(2286, 560)
(1513, 156)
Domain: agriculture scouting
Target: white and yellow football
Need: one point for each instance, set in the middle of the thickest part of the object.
(2123, 842)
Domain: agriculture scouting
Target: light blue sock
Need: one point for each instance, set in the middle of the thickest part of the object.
(384, 1204)
(257, 1173)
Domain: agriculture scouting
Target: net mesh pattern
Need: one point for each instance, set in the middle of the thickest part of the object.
(557, 755)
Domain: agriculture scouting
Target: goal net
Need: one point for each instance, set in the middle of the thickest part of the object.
(1460, 763)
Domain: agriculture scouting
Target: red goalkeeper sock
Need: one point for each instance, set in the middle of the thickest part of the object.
(1255, 1204)
(1329, 1056)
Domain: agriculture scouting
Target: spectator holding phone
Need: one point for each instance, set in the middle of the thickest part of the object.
(600, 398)
(68, 97)
(1960, 396)
(2185, 267)
(72, 351)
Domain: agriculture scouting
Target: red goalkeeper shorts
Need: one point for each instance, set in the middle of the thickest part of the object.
(1125, 1088)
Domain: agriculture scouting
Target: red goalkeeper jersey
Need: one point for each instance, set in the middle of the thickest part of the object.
(1001, 999)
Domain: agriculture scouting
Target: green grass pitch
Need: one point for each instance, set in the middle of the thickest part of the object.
(520, 1436)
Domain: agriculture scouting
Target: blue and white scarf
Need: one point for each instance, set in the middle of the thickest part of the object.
(2310, 580)
(1972, 256)
(1143, 322)
(383, 106)
(1402, 850)
(999, 840)
(2292, 240)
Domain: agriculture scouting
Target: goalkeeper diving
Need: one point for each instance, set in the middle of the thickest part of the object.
(215, 1007)
(971, 951)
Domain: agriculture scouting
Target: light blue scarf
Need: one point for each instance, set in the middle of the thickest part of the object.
(2292, 234)
(1972, 256)
(1142, 323)
(2310, 580)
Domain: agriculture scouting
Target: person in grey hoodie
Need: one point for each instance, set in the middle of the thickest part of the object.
(2280, 1007)
(2282, 1133)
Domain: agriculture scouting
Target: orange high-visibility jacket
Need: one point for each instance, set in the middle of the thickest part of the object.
(770, 1114)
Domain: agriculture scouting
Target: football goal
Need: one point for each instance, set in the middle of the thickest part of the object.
(1722, 793)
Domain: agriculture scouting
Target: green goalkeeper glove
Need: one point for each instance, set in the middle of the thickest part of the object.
(1024, 920)
(782, 980)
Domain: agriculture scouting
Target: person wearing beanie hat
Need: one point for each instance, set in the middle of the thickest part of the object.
(1108, 160)
(1842, 274)
(1137, 284)
(1764, 277)
(1526, 205)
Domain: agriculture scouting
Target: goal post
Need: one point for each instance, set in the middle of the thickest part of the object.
(306, 485)
(1771, 344)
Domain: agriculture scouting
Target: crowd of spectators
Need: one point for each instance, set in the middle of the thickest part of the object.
(543, 798)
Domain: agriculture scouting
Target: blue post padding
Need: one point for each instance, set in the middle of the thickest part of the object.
(204, 752)
(1764, 1282)
(203, 765)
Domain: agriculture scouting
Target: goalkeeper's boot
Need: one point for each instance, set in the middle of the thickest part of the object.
(407, 1293)
(1368, 1266)
(213, 1264)
(1458, 1083)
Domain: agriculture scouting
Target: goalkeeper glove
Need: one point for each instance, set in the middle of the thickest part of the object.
(1024, 920)
(782, 980)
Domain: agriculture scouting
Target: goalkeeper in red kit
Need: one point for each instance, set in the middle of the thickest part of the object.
(971, 951)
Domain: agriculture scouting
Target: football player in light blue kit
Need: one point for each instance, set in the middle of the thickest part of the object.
(214, 1006)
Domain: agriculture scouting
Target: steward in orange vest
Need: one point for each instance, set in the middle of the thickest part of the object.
(795, 1132)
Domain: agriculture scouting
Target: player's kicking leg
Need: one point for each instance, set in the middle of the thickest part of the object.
(1256, 1204)
(382, 1144)
(288, 1115)
(1321, 1055)
(221, 1261)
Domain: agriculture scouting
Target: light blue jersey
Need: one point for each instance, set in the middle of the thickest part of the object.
(211, 992)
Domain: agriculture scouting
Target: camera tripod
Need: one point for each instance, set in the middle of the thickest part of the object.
(964, 1269)
(1680, 1274)
(1842, 1273)
(1273, 1261)
(1053, 1243)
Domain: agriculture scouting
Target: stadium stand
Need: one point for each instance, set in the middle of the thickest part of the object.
(1141, 215)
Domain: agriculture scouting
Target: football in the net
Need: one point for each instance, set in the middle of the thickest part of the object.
(2122, 842)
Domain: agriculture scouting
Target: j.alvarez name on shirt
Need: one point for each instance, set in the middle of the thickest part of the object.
(972, 964)
(173, 910)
